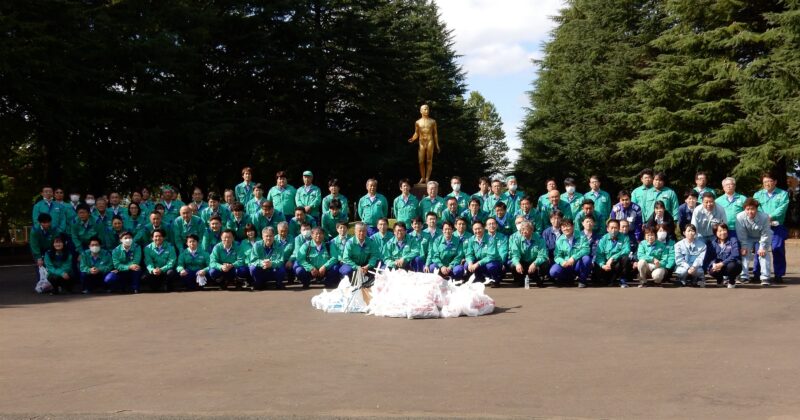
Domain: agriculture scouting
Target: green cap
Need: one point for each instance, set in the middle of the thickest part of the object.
(308, 173)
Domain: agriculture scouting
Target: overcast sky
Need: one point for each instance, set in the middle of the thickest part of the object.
(497, 40)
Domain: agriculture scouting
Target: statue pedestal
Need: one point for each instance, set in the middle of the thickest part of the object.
(419, 190)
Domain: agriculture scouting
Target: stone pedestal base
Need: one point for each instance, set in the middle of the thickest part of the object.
(419, 190)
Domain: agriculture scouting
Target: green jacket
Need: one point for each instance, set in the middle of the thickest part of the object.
(731, 207)
(575, 203)
(221, 211)
(311, 197)
(244, 191)
(40, 241)
(405, 210)
(667, 196)
(54, 209)
(436, 205)
(287, 245)
(210, 239)
(133, 224)
(198, 261)
(254, 206)
(275, 253)
(238, 226)
(370, 210)
(703, 191)
(299, 241)
(337, 245)
(163, 258)
(483, 251)
(382, 240)
(101, 262)
(294, 225)
(649, 253)
(311, 256)
(512, 201)
(110, 238)
(444, 253)
(599, 221)
(775, 205)
(327, 201)
(221, 256)
(283, 199)
(547, 209)
(357, 255)
(602, 203)
(248, 250)
(181, 230)
(669, 262)
(489, 203)
(639, 195)
(82, 232)
(500, 241)
(447, 216)
(472, 218)
(462, 198)
(122, 259)
(260, 221)
(575, 249)
(329, 223)
(531, 250)
(69, 214)
(608, 249)
(145, 235)
(58, 264)
(171, 212)
(393, 251)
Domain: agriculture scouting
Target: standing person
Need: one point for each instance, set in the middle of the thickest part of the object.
(528, 255)
(572, 197)
(300, 217)
(496, 195)
(49, 206)
(481, 256)
(640, 193)
(601, 199)
(238, 220)
(451, 213)
(213, 234)
(71, 210)
(197, 200)
(95, 264)
(754, 235)
(732, 202)
(372, 206)
(652, 255)
(405, 207)
(686, 210)
(147, 204)
(554, 202)
(171, 204)
(243, 192)
(126, 273)
(513, 195)
(338, 243)
(383, 235)
(549, 185)
(461, 197)
(446, 255)
(474, 212)
(588, 210)
(282, 195)
(230, 199)
(254, 205)
(568, 257)
(500, 242)
(484, 189)
(661, 216)
(627, 210)
(115, 206)
(690, 254)
(58, 262)
(432, 202)
(314, 261)
(527, 211)
(701, 184)
(84, 229)
(661, 192)
(192, 262)
(611, 259)
(725, 264)
(159, 260)
(134, 219)
(215, 208)
(706, 217)
(775, 202)
(268, 263)
(551, 234)
(309, 196)
(333, 188)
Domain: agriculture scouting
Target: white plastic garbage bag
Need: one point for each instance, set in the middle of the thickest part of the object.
(201, 280)
(43, 285)
(468, 299)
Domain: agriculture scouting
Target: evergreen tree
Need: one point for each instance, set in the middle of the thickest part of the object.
(491, 137)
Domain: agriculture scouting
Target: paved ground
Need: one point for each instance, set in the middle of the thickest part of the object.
(637, 353)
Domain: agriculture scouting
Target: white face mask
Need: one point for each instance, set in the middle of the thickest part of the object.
(90, 201)
(570, 190)
(512, 187)
(305, 233)
(456, 187)
(94, 249)
(662, 236)
(519, 225)
(74, 198)
(127, 242)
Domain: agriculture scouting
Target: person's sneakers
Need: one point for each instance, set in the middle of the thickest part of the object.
(765, 283)
(744, 280)
(85, 292)
(581, 285)
(700, 283)
(623, 284)
(643, 284)
(731, 285)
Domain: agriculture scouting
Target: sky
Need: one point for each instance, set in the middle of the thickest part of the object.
(497, 39)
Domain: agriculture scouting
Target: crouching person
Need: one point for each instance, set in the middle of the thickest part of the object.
(568, 257)
(58, 262)
(528, 255)
(95, 265)
(314, 261)
(268, 261)
(159, 259)
(126, 260)
(690, 252)
(652, 255)
(402, 251)
(193, 263)
(446, 255)
(360, 253)
(481, 255)
(611, 258)
(725, 264)
(226, 263)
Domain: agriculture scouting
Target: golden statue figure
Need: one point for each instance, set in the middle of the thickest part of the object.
(425, 132)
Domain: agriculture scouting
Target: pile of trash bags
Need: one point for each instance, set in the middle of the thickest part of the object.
(403, 294)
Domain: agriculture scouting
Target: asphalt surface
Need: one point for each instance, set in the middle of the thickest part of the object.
(567, 352)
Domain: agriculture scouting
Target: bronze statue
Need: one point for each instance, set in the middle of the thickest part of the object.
(425, 132)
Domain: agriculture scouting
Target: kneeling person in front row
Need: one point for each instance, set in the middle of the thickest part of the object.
(446, 255)
(611, 258)
(568, 257)
(192, 262)
(226, 262)
(402, 251)
(653, 255)
(360, 253)
(159, 259)
(690, 253)
(528, 255)
(95, 265)
(268, 261)
(314, 261)
(126, 273)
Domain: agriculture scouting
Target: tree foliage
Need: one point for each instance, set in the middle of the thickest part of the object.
(491, 140)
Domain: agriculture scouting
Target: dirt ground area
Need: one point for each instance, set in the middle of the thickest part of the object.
(554, 352)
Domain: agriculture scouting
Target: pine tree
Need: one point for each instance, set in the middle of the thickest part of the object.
(491, 137)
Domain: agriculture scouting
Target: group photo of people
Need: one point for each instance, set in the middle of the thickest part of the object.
(257, 236)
